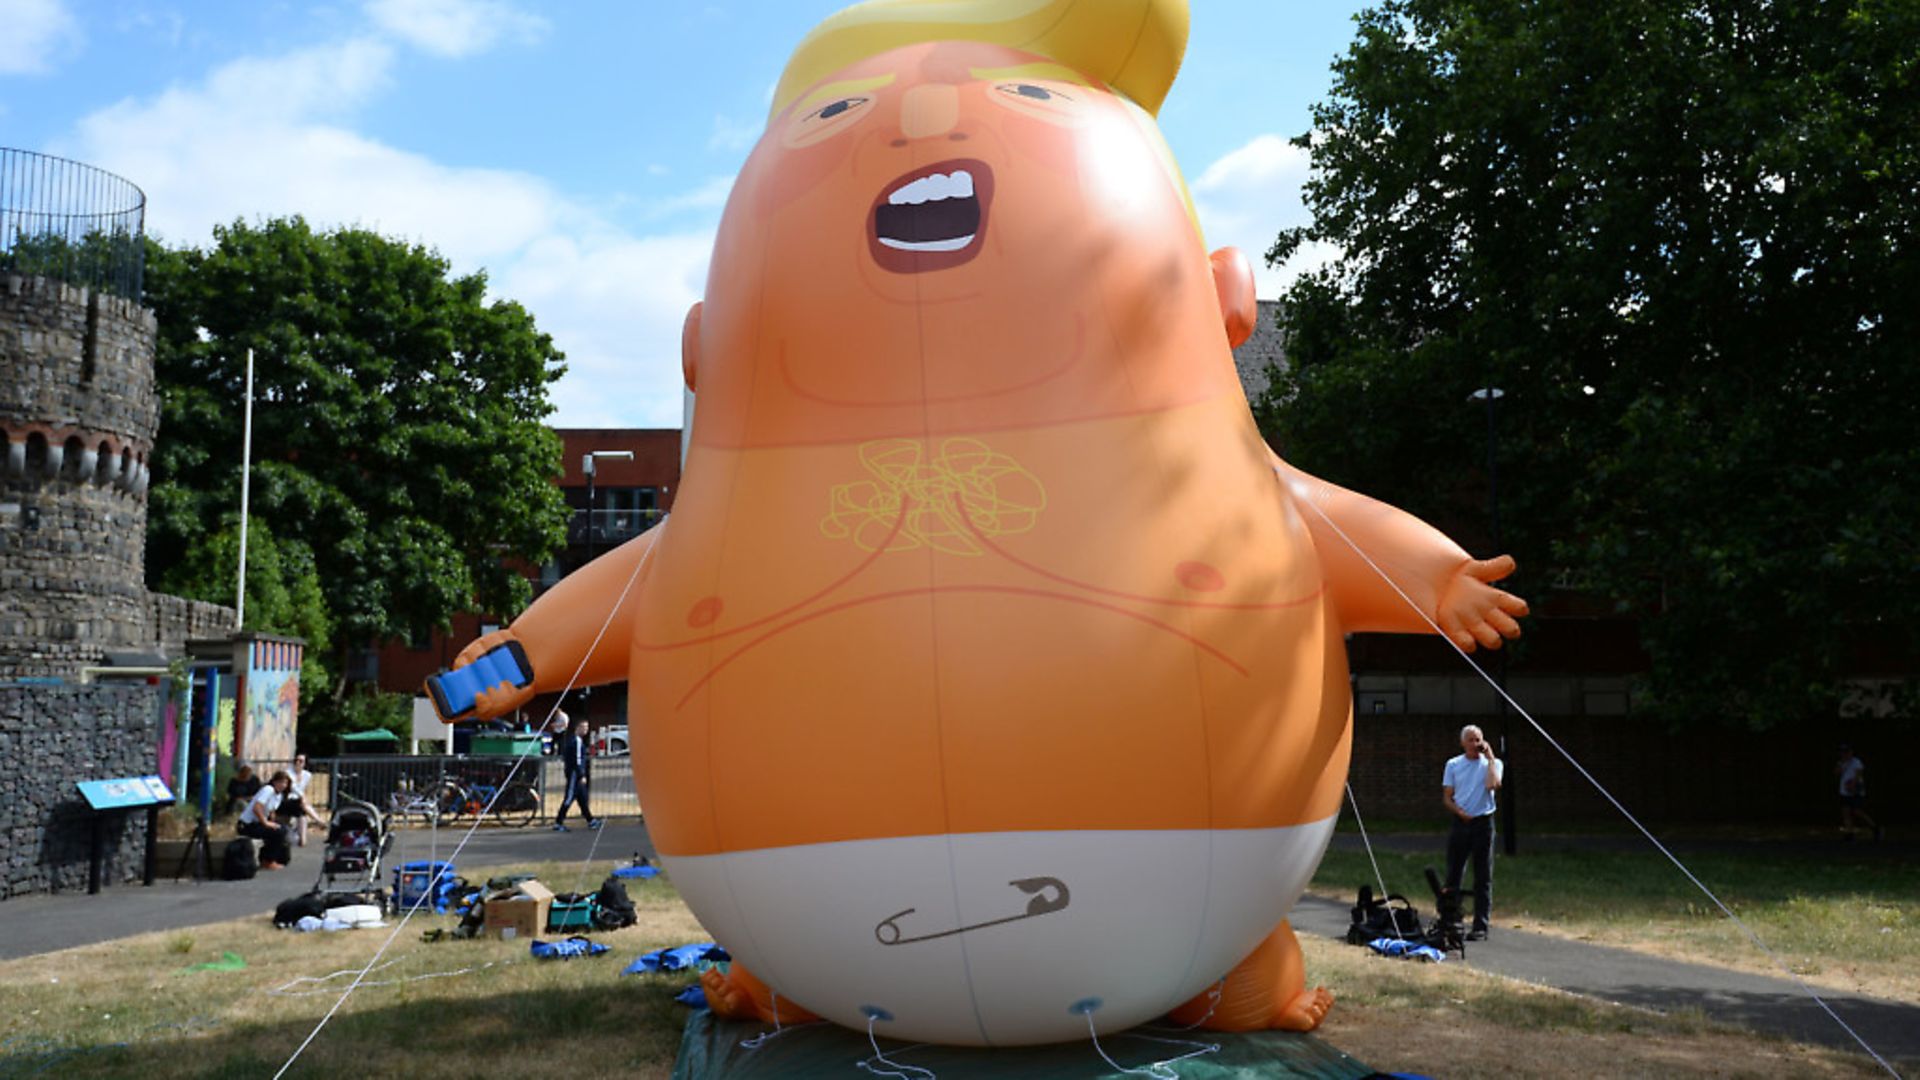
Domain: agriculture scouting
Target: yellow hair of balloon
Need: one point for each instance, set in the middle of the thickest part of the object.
(1133, 46)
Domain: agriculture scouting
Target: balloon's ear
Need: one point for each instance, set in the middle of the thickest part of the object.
(690, 345)
(1233, 283)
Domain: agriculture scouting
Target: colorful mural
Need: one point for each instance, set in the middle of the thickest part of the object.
(171, 752)
(270, 714)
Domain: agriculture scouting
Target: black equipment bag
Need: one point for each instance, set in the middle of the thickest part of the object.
(239, 862)
(1380, 917)
(290, 912)
(612, 908)
(1449, 931)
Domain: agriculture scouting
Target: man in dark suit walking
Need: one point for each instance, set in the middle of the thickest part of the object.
(573, 758)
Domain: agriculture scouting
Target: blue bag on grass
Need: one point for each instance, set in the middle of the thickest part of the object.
(1406, 950)
(677, 959)
(566, 950)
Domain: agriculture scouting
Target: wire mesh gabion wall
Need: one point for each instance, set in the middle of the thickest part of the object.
(72, 222)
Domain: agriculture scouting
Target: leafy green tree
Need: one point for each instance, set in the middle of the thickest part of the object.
(284, 594)
(106, 259)
(1683, 237)
(398, 444)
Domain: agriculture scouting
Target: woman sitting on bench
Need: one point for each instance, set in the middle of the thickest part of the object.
(256, 821)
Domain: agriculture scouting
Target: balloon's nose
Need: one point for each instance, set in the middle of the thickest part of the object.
(929, 109)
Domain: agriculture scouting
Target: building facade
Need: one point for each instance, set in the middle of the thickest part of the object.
(635, 474)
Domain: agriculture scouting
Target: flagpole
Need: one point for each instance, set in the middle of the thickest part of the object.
(246, 483)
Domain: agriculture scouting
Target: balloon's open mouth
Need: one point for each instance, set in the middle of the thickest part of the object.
(932, 218)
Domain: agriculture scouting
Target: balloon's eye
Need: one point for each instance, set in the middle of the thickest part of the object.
(1042, 101)
(834, 118)
(833, 109)
(1032, 92)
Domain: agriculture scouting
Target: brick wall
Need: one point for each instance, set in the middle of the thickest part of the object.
(1771, 778)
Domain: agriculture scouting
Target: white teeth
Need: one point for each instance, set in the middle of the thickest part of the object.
(957, 184)
(954, 243)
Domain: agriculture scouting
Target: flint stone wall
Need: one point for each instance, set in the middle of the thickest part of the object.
(50, 738)
(76, 358)
(78, 415)
(172, 621)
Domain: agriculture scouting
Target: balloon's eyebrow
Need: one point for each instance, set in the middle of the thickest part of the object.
(834, 91)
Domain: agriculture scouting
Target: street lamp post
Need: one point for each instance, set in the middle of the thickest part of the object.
(1508, 827)
(586, 466)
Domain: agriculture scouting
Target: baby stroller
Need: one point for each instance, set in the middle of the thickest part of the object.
(358, 837)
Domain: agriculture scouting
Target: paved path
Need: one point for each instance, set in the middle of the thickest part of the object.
(1776, 1006)
(32, 925)
(37, 924)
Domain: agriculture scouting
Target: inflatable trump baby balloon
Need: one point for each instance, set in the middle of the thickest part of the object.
(987, 680)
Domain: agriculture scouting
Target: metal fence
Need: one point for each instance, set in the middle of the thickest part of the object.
(610, 792)
(70, 221)
(597, 527)
(425, 789)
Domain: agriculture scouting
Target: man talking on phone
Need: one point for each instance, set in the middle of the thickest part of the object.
(1467, 790)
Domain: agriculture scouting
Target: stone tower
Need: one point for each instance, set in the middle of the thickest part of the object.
(78, 415)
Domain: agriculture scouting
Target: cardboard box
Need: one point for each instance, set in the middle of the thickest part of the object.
(519, 912)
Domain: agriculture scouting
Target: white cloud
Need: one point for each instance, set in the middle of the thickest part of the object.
(272, 136)
(455, 28)
(615, 304)
(34, 35)
(1251, 193)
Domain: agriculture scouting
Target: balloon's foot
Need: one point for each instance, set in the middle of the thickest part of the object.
(1265, 991)
(737, 995)
(1305, 1011)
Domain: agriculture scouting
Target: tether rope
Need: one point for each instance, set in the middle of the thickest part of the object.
(1608, 795)
(1159, 1070)
(899, 1069)
(1368, 844)
(454, 856)
(286, 989)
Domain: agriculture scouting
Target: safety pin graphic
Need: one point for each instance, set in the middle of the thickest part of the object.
(1049, 894)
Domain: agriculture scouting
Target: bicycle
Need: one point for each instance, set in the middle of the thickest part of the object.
(439, 801)
(517, 803)
(433, 802)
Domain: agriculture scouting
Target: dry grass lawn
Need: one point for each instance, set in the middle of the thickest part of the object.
(129, 1009)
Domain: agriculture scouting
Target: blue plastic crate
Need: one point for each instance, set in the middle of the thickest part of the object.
(412, 880)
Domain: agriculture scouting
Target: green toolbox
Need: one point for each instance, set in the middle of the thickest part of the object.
(571, 911)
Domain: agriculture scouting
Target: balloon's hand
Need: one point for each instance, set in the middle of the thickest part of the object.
(503, 697)
(1474, 612)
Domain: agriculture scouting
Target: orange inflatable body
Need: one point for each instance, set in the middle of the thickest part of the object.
(989, 672)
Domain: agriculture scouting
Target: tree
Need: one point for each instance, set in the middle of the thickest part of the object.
(1683, 236)
(400, 461)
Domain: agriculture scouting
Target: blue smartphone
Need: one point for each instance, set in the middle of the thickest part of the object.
(454, 692)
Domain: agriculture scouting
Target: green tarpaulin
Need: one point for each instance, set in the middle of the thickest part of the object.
(711, 1048)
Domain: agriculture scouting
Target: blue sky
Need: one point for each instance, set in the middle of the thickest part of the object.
(579, 152)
